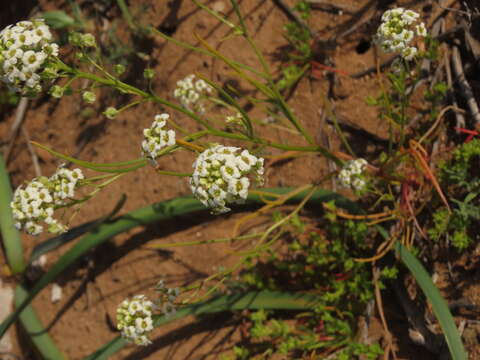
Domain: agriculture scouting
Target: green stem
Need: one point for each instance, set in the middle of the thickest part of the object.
(173, 173)
(133, 90)
(281, 101)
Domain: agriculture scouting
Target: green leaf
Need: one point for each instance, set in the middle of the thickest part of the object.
(35, 330)
(245, 118)
(11, 238)
(439, 305)
(58, 19)
(268, 300)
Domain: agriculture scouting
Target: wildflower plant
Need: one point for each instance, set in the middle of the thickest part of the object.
(351, 175)
(27, 55)
(398, 30)
(37, 202)
(223, 173)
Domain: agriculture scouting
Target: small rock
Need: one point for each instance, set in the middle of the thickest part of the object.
(40, 262)
(6, 300)
(56, 295)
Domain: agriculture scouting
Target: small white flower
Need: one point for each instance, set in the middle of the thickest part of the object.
(409, 53)
(421, 30)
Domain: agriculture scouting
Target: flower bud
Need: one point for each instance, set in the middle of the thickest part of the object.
(148, 73)
(119, 69)
(89, 97)
(56, 91)
(111, 112)
(88, 40)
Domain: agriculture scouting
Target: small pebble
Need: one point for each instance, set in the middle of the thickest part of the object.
(40, 262)
(56, 295)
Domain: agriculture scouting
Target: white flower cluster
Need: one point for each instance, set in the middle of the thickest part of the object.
(25, 51)
(167, 299)
(350, 175)
(37, 202)
(134, 319)
(220, 176)
(397, 31)
(156, 138)
(191, 92)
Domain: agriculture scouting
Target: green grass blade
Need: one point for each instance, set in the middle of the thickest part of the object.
(11, 238)
(268, 300)
(58, 19)
(439, 305)
(33, 326)
(126, 15)
(245, 119)
(205, 52)
(156, 212)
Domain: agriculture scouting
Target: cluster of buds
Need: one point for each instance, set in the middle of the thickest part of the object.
(351, 174)
(37, 201)
(82, 40)
(398, 30)
(220, 176)
(190, 93)
(26, 53)
(166, 303)
(234, 119)
(134, 319)
(156, 138)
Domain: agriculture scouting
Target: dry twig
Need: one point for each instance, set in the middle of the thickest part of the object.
(32, 152)
(291, 15)
(464, 85)
(19, 116)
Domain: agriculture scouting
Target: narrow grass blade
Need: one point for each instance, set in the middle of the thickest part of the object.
(156, 212)
(245, 119)
(11, 238)
(439, 305)
(34, 328)
(268, 300)
(109, 167)
(58, 19)
(205, 52)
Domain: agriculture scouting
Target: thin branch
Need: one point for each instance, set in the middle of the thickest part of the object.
(33, 154)
(19, 116)
(292, 15)
(464, 85)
